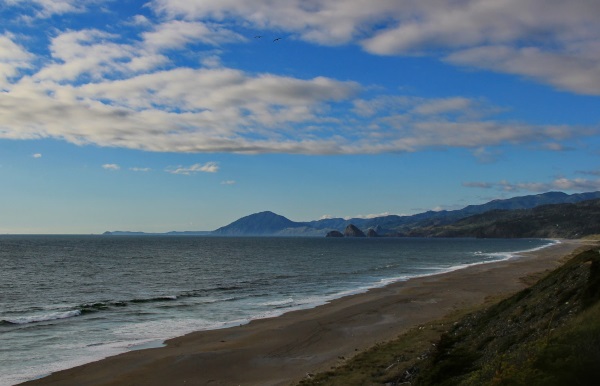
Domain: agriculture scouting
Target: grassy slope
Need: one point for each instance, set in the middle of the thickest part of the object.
(548, 334)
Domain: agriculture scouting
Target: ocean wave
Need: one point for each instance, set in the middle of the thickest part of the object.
(493, 255)
(106, 305)
(41, 317)
(82, 309)
(154, 299)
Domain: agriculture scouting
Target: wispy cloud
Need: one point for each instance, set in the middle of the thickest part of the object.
(48, 8)
(138, 169)
(562, 184)
(368, 216)
(481, 185)
(111, 167)
(13, 59)
(37, 155)
(589, 172)
(209, 167)
(485, 155)
(228, 182)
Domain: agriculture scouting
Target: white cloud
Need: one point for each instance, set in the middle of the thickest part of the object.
(48, 8)
(84, 52)
(37, 155)
(111, 167)
(368, 216)
(96, 89)
(228, 182)
(225, 110)
(555, 146)
(440, 106)
(552, 42)
(579, 72)
(209, 167)
(138, 169)
(99, 54)
(13, 58)
(326, 22)
(177, 34)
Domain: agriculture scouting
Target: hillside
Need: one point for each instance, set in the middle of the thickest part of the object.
(547, 334)
(546, 221)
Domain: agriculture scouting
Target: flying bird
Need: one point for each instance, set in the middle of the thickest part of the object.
(277, 39)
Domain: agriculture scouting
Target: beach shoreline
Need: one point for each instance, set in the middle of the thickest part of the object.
(283, 349)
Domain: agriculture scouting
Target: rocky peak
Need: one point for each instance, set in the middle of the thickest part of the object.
(372, 233)
(353, 231)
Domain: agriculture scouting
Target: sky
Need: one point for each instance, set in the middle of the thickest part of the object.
(161, 115)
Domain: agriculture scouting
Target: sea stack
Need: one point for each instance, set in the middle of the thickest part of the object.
(372, 233)
(353, 231)
(334, 234)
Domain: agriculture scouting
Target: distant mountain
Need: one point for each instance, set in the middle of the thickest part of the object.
(271, 224)
(258, 224)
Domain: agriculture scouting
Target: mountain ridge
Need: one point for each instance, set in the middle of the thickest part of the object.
(391, 225)
(267, 223)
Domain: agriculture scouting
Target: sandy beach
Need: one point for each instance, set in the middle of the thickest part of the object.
(282, 350)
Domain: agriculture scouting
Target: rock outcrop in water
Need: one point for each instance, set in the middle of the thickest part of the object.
(352, 231)
(334, 234)
(372, 233)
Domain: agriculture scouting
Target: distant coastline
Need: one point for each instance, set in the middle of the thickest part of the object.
(172, 233)
(546, 215)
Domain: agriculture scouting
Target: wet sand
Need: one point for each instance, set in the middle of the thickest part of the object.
(282, 350)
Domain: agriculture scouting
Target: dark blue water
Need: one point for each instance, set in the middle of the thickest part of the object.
(67, 300)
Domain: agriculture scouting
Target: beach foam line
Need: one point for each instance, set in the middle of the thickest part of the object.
(283, 306)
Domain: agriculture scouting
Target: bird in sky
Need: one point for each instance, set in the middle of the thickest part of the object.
(277, 39)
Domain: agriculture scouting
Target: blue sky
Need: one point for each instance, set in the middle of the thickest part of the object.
(175, 115)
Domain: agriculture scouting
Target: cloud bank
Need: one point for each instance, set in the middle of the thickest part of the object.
(94, 86)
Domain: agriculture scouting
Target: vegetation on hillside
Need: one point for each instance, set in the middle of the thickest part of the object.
(547, 334)
(547, 221)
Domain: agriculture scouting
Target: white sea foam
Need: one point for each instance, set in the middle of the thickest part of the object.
(277, 303)
(44, 317)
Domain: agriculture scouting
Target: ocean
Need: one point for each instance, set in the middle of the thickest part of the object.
(69, 300)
